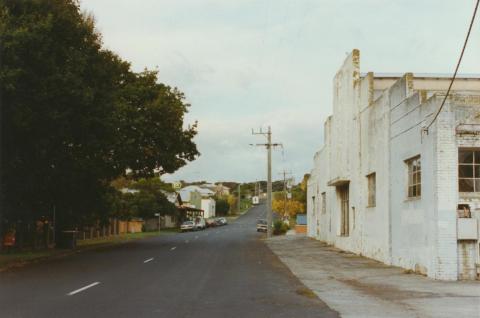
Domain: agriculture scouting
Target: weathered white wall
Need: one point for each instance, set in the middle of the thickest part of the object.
(376, 126)
(208, 207)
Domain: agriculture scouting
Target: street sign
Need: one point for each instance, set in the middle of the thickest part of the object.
(177, 185)
(157, 214)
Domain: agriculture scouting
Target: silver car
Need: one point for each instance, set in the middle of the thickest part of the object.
(187, 226)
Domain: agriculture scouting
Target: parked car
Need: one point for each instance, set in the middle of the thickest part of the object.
(200, 224)
(262, 226)
(222, 221)
(212, 222)
(187, 226)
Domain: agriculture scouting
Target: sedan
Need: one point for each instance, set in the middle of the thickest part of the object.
(187, 226)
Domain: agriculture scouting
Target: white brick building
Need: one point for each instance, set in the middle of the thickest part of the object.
(383, 187)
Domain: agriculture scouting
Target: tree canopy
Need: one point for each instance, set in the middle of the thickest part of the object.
(74, 116)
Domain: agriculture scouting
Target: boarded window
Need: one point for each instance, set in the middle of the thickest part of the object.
(414, 177)
(469, 170)
(372, 185)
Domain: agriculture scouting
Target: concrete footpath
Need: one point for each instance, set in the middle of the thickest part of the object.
(357, 287)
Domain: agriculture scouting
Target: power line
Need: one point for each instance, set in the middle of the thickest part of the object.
(456, 68)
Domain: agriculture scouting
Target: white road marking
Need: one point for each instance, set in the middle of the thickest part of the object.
(196, 237)
(186, 241)
(82, 289)
(173, 248)
(148, 260)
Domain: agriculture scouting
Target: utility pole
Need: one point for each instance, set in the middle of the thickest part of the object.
(285, 173)
(269, 146)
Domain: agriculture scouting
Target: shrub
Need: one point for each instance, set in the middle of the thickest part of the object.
(280, 227)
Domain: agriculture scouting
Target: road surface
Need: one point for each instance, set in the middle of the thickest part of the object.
(220, 272)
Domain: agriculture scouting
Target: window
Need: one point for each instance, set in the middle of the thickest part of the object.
(469, 170)
(372, 180)
(324, 202)
(314, 208)
(414, 177)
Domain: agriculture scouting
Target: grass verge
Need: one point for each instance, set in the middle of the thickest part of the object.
(17, 259)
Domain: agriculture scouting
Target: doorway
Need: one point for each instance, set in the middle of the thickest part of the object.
(343, 192)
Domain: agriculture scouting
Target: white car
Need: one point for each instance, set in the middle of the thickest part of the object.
(200, 224)
(187, 226)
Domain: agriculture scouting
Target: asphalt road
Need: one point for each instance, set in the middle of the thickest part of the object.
(220, 272)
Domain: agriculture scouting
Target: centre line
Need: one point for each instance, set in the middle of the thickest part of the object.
(82, 289)
(148, 260)
(173, 248)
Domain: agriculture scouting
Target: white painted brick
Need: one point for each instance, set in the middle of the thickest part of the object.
(374, 131)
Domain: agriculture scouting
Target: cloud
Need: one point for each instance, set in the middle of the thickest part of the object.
(246, 64)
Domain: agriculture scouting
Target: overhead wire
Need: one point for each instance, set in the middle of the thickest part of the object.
(456, 68)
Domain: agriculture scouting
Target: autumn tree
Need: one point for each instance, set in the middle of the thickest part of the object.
(292, 207)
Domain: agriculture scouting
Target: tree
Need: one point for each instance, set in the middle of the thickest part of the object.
(74, 116)
(149, 199)
(222, 206)
(149, 127)
(58, 88)
(233, 203)
(293, 207)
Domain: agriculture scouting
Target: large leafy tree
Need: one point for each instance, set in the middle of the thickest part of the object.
(74, 116)
(150, 129)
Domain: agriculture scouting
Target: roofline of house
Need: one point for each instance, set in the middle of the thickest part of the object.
(424, 75)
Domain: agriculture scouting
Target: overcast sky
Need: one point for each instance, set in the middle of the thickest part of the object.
(252, 63)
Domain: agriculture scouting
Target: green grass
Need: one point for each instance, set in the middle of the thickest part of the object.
(20, 258)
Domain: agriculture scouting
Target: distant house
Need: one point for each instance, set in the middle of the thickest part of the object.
(220, 189)
(199, 197)
(186, 193)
